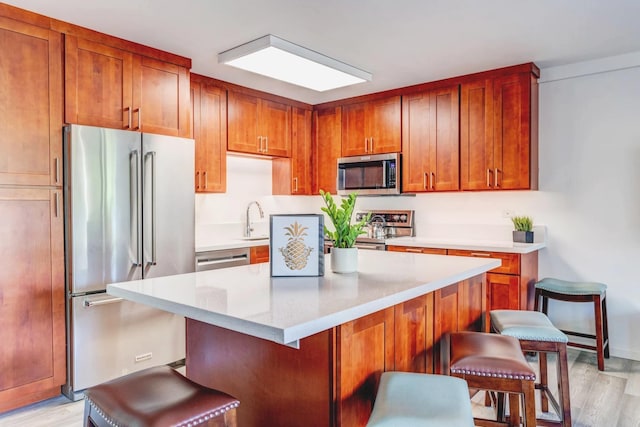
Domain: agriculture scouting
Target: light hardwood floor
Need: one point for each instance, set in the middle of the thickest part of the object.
(598, 399)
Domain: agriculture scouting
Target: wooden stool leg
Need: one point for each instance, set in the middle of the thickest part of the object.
(514, 410)
(605, 327)
(529, 405)
(599, 332)
(563, 385)
(544, 383)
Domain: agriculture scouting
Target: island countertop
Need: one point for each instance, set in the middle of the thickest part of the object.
(248, 300)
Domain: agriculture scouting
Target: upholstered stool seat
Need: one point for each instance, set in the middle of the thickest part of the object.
(157, 396)
(407, 399)
(494, 363)
(590, 292)
(537, 334)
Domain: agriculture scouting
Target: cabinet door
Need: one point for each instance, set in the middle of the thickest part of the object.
(160, 97)
(210, 134)
(96, 72)
(476, 135)
(446, 307)
(292, 176)
(275, 128)
(327, 143)
(383, 126)
(364, 351)
(414, 335)
(242, 122)
(503, 292)
(31, 104)
(511, 149)
(430, 146)
(259, 254)
(354, 138)
(32, 296)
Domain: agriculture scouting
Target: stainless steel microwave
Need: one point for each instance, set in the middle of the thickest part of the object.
(369, 175)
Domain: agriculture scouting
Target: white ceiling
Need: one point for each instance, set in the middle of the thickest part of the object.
(402, 42)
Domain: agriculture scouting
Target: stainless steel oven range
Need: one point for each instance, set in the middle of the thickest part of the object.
(383, 225)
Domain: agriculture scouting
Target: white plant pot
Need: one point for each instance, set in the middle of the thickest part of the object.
(344, 260)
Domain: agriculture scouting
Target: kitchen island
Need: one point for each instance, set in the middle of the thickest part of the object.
(310, 350)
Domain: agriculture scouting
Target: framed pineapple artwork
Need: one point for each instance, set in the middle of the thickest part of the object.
(297, 245)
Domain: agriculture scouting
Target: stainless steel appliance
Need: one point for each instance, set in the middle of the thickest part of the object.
(376, 174)
(383, 224)
(129, 214)
(223, 258)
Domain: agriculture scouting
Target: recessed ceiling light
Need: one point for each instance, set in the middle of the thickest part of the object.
(279, 59)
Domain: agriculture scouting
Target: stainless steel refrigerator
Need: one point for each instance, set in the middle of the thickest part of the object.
(129, 214)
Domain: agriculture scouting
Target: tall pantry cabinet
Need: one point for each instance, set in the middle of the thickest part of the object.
(32, 354)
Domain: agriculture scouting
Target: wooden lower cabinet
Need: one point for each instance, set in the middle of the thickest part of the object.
(259, 254)
(416, 250)
(332, 378)
(32, 297)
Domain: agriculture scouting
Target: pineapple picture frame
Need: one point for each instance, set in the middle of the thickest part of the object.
(297, 245)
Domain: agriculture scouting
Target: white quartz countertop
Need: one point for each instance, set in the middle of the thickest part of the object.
(247, 299)
(470, 245)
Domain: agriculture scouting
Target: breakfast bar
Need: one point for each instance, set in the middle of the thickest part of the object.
(310, 350)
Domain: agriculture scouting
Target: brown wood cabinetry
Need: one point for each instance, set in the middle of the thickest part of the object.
(372, 127)
(417, 250)
(31, 104)
(430, 146)
(498, 135)
(327, 147)
(510, 286)
(414, 335)
(292, 176)
(32, 296)
(258, 126)
(209, 107)
(111, 87)
(259, 254)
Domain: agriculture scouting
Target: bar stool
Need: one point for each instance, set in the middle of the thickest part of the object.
(406, 399)
(595, 293)
(493, 362)
(157, 397)
(537, 334)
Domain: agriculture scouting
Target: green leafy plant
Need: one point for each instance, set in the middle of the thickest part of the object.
(345, 233)
(522, 223)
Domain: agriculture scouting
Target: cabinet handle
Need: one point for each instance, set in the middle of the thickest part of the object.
(56, 203)
(489, 178)
(495, 177)
(295, 184)
(366, 145)
(57, 170)
(416, 251)
(431, 179)
(266, 144)
(259, 144)
(483, 254)
(128, 118)
(137, 110)
(424, 180)
(197, 180)
(204, 176)
(371, 144)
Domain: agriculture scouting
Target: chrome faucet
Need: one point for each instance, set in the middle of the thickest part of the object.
(248, 230)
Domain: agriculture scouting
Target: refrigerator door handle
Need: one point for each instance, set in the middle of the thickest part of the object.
(101, 300)
(152, 155)
(134, 214)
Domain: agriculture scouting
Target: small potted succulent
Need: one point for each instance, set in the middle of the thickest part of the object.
(344, 256)
(523, 229)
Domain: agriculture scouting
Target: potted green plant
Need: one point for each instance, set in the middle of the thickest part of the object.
(344, 256)
(523, 229)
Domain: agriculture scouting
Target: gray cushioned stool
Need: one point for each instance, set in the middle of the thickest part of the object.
(406, 399)
(537, 334)
(592, 292)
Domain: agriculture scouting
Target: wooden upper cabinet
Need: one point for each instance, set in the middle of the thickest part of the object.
(292, 176)
(372, 127)
(32, 296)
(498, 135)
(209, 109)
(258, 126)
(31, 104)
(327, 146)
(111, 87)
(430, 141)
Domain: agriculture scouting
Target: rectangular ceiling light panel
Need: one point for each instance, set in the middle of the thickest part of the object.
(279, 59)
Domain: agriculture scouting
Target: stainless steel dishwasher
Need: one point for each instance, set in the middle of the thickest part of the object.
(223, 258)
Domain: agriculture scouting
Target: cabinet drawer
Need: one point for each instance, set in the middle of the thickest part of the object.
(259, 254)
(434, 251)
(510, 262)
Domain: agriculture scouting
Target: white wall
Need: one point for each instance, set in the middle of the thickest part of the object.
(589, 195)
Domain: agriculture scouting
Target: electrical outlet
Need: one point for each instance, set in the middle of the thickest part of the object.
(507, 213)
